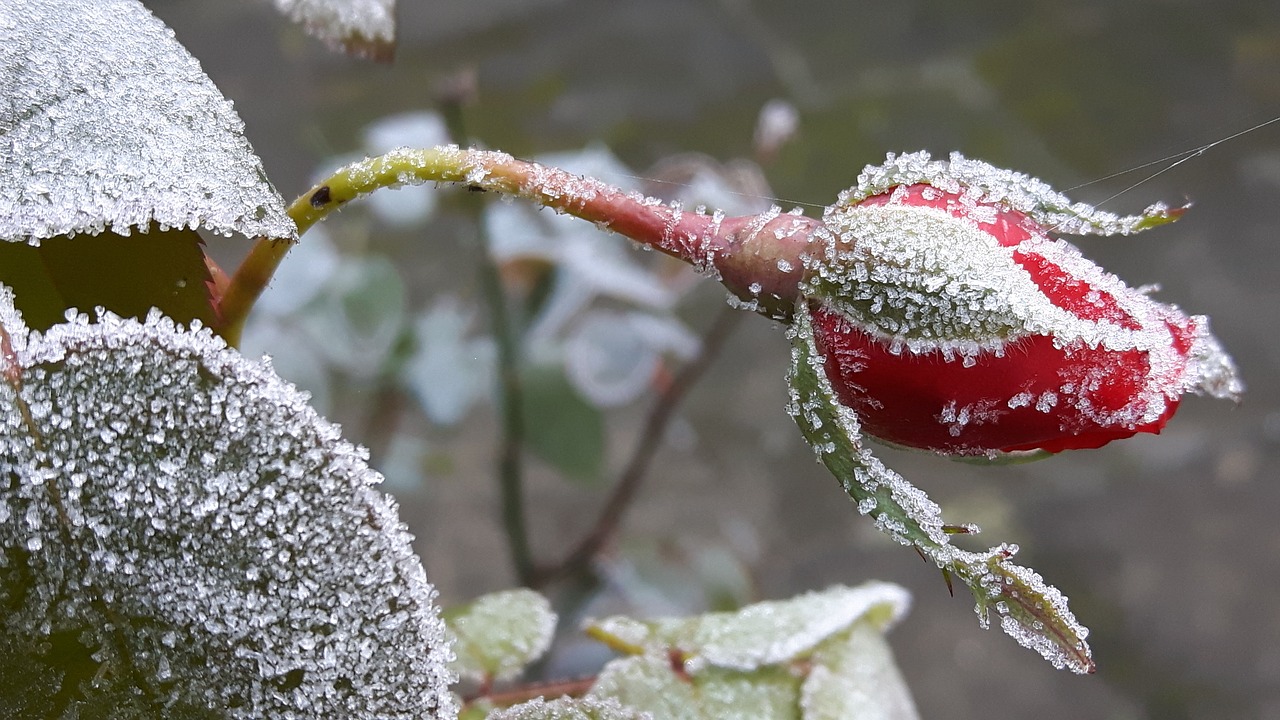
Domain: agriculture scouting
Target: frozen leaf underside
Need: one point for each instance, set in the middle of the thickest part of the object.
(817, 656)
(107, 121)
(1031, 611)
(361, 27)
(180, 530)
(127, 275)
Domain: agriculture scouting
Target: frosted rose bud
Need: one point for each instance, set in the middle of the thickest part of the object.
(950, 320)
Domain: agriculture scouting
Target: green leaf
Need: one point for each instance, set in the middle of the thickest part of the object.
(561, 428)
(1032, 612)
(127, 275)
(497, 635)
(178, 529)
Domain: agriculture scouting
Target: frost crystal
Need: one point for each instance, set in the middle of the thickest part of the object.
(107, 121)
(201, 533)
(365, 27)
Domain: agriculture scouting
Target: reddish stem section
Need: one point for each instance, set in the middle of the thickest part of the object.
(760, 258)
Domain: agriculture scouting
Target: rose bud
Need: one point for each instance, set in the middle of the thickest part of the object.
(949, 318)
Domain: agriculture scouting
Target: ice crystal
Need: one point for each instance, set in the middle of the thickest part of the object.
(202, 532)
(108, 122)
(364, 27)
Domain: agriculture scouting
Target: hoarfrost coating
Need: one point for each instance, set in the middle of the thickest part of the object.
(108, 122)
(951, 321)
(199, 501)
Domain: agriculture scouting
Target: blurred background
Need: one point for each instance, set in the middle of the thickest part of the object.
(1168, 545)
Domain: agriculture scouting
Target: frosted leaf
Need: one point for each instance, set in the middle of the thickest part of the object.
(652, 683)
(1032, 612)
(107, 121)
(765, 633)
(854, 677)
(813, 656)
(361, 27)
(497, 635)
(568, 709)
(244, 563)
(985, 183)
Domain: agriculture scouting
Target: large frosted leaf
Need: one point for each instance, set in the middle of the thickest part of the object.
(498, 634)
(105, 120)
(362, 27)
(181, 531)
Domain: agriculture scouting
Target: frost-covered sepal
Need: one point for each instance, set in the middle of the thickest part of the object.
(981, 182)
(1031, 611)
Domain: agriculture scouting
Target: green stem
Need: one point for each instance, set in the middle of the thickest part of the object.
(745, 252)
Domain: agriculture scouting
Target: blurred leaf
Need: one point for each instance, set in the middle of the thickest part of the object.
(765, 633)
(497, 635)
(180, 530)
(361, 27)
(449, 369)
(651, 684)
(817, 656)
(562, 428)
(1032, 612)
(567, 709)
(854, 676)
(110, 123)
(357, 323)
(127, 275)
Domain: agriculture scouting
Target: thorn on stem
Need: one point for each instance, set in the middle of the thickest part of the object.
(946, 576)
(920, 553)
